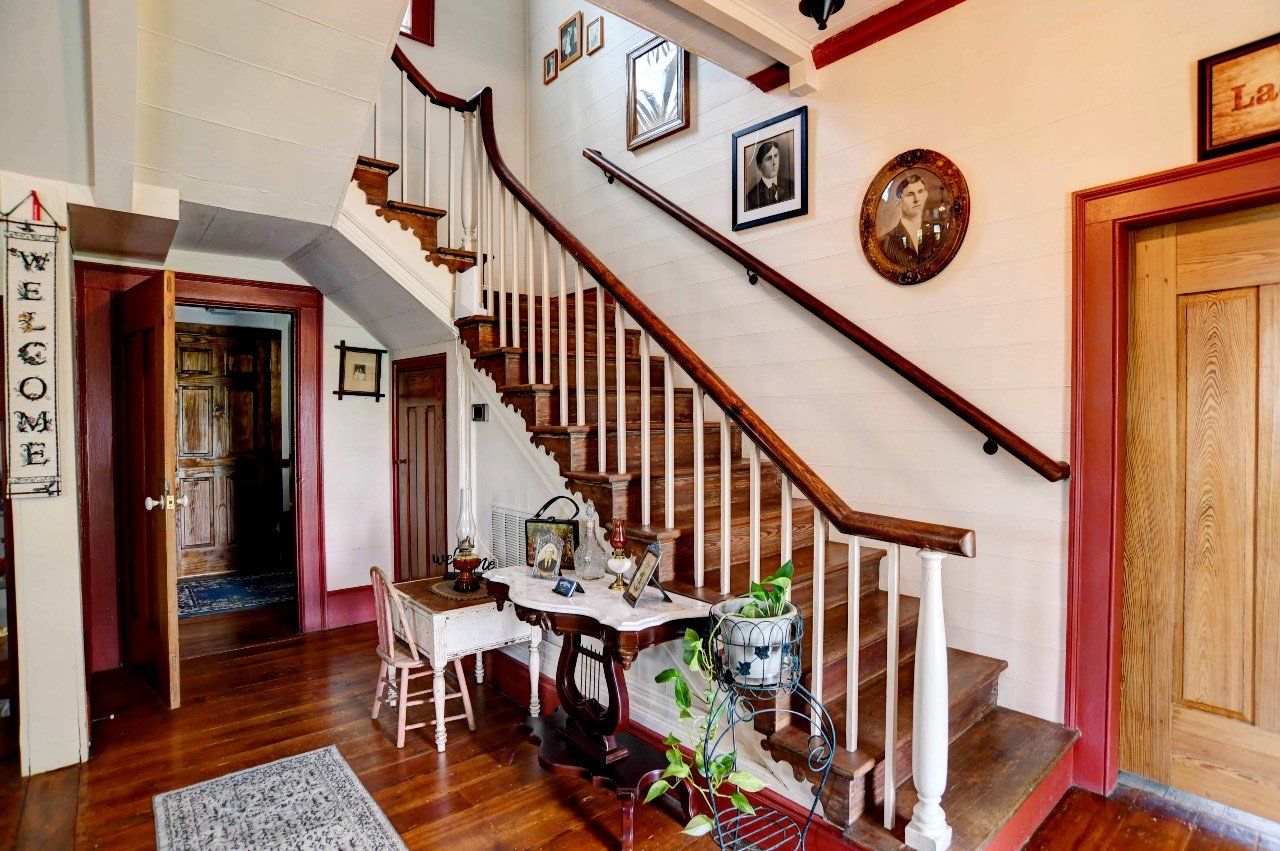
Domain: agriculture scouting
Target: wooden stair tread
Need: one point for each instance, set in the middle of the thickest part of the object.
(994, 766)
(384, 166)
(423, 210)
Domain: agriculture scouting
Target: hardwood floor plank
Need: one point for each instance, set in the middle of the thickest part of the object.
(48, 821)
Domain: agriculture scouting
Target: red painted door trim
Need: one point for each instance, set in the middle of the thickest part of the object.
(436, 361)
(1102, 220)
(94, 283)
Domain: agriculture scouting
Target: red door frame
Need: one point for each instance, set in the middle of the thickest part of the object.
(1102, 220)
(95, 284)
(397, 366)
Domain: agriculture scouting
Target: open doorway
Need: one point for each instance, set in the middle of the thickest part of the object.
(236, 568)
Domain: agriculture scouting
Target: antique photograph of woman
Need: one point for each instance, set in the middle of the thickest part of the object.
(914, 216)
(770, 170)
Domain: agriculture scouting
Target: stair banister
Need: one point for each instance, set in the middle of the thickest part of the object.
(996, 433)
(929, 536)
(484, 222)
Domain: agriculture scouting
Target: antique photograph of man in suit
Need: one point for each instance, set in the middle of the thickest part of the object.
(770, 172)
(914, 238)
(772, 186)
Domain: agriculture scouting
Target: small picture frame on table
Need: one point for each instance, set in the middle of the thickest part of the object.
(547, 554)
(359, 371)
(645, 575)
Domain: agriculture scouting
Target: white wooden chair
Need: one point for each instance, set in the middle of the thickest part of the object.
(402, 662)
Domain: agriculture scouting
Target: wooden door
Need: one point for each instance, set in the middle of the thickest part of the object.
(229, 449)
(421, 471)
(1200, 693)
(147, 471)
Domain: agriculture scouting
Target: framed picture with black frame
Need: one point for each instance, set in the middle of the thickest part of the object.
(359, 371)
(1238, 106)
(771, 170)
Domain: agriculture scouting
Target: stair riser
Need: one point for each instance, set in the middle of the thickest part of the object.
(423, 227)
(478, 335)
(740, 542)
(611, 499)
(373, 182)
(872, 661)
(963, 715)
(683, 411)
(534, 406)
(503, 367)
(683, 439)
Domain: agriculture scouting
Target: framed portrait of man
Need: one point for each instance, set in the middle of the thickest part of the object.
(771, 170)
(657, 92)
(571, 40)
(914, 216)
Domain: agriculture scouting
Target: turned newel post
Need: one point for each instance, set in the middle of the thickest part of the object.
(468, 179)
(928, 828)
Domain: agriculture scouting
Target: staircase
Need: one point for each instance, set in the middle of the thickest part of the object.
(690, 466)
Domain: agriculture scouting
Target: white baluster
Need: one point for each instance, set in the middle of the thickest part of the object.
(668, 443)
(726, 500)
(819, 622)
(562, 330)
(501, 307)
(531, 314)
(404, 136)
(481, 175)
(515, 271)
(451, 202)
(579, 348)
(426, 151)
(602, 443)
(786, 531)
(928, 828)
(468, 177)
(891, 691)
(375, 123)
(699, 492)
(753, 515)
(646, 458)
(854, 646)
(620, 382)
(484, 254)
(546, 306)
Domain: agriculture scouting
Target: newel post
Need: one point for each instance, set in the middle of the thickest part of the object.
(928, 828)
(467, 177)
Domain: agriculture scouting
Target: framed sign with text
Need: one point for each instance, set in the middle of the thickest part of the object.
(30, 252)
(1239, 104)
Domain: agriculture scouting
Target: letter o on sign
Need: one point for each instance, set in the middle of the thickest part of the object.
(33, 388)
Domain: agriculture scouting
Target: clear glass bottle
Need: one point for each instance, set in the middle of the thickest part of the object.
(589, 561)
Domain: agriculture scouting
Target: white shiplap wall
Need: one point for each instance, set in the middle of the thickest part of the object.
(1032, 101)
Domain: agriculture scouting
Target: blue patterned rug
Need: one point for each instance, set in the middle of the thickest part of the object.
(212, 595)
(309, 802)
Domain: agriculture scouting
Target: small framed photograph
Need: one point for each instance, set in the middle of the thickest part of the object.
(914, 216)
(771, 170)
(1239, 108)
(359, 371)
(571, 40)
(550, 67)
(547, 554)
(595, 35)
(657, 92)
(643, 574)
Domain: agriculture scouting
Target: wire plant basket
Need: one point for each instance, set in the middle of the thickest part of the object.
(756, 661)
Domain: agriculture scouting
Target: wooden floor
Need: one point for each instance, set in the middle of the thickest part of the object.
(254, 705)
(1133, 819)
(204, 635)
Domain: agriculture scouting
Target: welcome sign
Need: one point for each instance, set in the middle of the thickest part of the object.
(31, 270)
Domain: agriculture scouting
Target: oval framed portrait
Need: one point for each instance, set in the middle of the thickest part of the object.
(914, 216)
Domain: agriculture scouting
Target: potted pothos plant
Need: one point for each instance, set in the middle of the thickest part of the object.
(721, 782)
(756, 630)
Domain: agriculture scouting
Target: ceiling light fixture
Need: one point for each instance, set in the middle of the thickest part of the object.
(820, 10)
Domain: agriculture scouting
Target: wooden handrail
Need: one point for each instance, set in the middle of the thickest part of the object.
(997, 435)
(930, 536)
(423, 85)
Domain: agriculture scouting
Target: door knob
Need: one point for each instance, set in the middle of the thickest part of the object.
(148, 503)
(183, 500)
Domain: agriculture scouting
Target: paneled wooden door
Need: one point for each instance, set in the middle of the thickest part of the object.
(229, 449)
(145, 385)
(1200, 691)
(421, 468)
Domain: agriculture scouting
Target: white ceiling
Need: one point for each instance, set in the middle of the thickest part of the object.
(215, 230)
(686, 29)
(787, 13)
(256, 105)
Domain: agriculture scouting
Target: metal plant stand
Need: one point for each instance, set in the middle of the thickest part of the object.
(757, 671)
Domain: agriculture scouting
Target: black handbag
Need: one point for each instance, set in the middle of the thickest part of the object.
(564, 528)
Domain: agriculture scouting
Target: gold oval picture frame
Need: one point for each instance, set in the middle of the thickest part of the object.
(914, 216)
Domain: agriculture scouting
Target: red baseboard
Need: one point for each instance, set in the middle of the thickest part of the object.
(348, 606)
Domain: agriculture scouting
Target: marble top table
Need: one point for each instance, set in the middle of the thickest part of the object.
(586, 736)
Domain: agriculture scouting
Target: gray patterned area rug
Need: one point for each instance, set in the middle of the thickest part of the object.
(310, 802)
